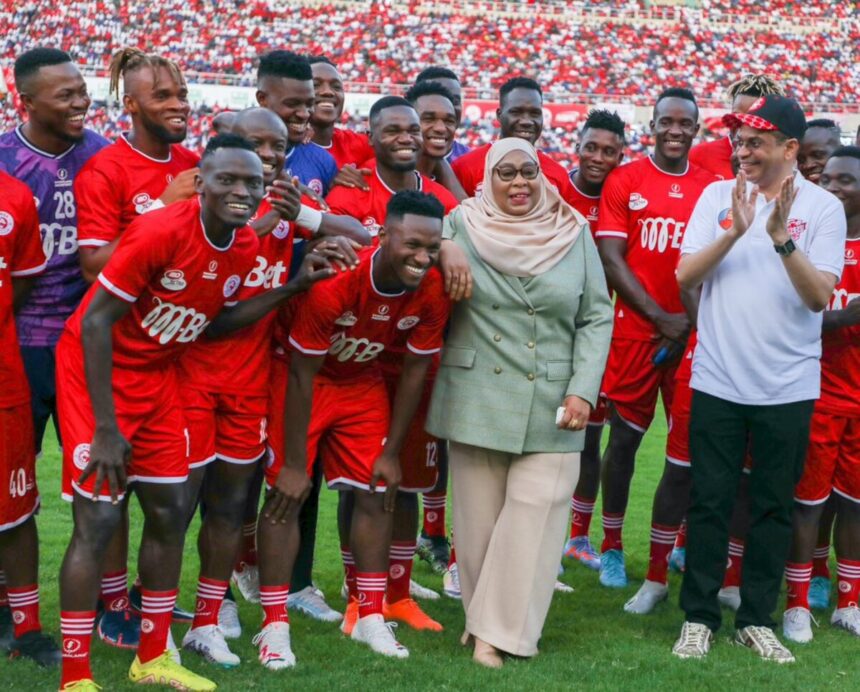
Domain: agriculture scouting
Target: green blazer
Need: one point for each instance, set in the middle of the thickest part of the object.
(518, 347)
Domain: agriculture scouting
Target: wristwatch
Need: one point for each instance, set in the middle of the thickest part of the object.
(786, 249)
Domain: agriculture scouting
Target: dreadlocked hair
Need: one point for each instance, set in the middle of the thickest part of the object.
(755, 85)
(128, 60)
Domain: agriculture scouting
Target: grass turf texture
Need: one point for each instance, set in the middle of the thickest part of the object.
(588, 641)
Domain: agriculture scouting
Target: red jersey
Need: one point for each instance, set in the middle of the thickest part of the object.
(587, 205)
(840, 348)
(176, 281)
(349, 147)
(247, 352)
(649, 208)
(21, 255)
(715, 157)
(119, 184)
(353, 322)
(370, 206)
(469, 169)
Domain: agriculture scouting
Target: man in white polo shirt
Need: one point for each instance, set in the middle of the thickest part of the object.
(767, 251)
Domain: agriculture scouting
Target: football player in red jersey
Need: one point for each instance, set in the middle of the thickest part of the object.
(832, 468)
(718, 156)
(520, 114)
(339, 331)
(644, 208)
(435, 107)
(21, 259)
(347, 147)
(600, 150)
(147, 167)
(171, 275)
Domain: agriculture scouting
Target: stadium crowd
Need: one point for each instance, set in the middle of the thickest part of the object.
(381, 45)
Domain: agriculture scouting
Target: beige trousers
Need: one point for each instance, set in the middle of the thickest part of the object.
(510, 521)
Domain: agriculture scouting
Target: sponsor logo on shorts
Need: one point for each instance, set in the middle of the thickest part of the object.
(7, 223)
(724, 219)
(381, 314)
(282, 230)
(231, 284)
(675, 191)
(81, 456)
(408, 322)
(347, 319)
(147, 626)
(174, 280)
(166, 321)
(636, 202)
(142, 202)
(795, 228)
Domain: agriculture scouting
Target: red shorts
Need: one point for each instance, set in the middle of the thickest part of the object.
(19, 496)
(148, 413)
(419, 458)
(600, 413)
(231, 427)
(832, 460)
(275, 427)
(678, 440)
(632, 382)
(348, 427)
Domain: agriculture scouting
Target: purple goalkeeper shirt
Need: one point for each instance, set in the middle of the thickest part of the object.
(57, 292)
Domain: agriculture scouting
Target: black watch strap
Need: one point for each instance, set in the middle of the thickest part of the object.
(786, 249)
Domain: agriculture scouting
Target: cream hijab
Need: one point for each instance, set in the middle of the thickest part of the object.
(526, 245)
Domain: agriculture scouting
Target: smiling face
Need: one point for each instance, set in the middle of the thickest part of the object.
(519, 195)
(817, 146)
(269, 137)
(157, 103)
(453, 86)
(409, 247)
(520, 114)
(56, 100)
(438, 124)
(292, 100)
(765, 157)
(230, 185)
(328, 95)
(841, 176)
(395, 134)
(674, 126)
(599, 152)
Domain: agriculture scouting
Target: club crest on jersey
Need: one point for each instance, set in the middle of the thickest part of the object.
(81, 456)
(347, 319)
(282, 230)
(795, 228)
(636, 202)
(408, 322)
(7, 223)
(724, 219)
(316, 185)
(231, 284)
(174, 280)
(142, 202)
(381, 314)
(372, 227)
(675, 191)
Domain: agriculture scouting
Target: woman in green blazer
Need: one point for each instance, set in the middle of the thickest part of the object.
(520, 372)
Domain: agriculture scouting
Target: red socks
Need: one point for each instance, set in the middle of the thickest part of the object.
(797, 576)
(157, 613)
(821, 561)
(662, 542)
(349, 571)
(400, 559)
(453, 559)
(274, 602)
(114, 593)
(210, 594)
(736, 561)
(371, 591)
(612, 525)
(848, 575)
(582, 509)
(24, 602)
(434, 513)
(77, 630)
